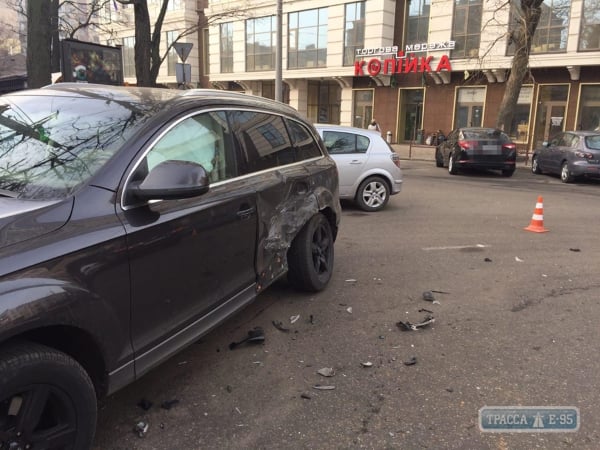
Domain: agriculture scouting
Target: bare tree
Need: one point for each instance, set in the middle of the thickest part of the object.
(525, 16)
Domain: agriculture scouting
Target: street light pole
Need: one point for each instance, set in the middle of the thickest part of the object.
(278, 51)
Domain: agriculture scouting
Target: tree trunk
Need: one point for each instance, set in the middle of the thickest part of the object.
(142, 44)
(39, 39)
(55, 53)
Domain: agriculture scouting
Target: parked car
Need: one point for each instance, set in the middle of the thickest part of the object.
(477, 148)
(570, 154)
(369, 170)
(133, 221)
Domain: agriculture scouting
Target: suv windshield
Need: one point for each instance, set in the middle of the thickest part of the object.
(50, 145)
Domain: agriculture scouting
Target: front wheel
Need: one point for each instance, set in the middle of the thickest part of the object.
(565, 174)
(535, 166)
(310, 257)
(47, 400)
(373, 194)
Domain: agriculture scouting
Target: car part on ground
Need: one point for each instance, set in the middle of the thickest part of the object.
(369, 169)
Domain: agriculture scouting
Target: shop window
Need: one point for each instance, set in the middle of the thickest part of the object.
(466, 28)
(260, 43)
(552, 31)
(469, 107)
(589, 108)
(519, 127)
(362, 108)
(354, 31)
(589, 38)
(226, 47)
(417, 23)
(172, 55)
(307, 42)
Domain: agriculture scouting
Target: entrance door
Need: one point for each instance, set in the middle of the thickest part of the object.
(550, 117)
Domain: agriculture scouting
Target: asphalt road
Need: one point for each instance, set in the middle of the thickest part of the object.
(516, 323)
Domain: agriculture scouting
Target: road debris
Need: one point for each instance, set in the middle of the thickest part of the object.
(168, 404)
(349, 309)
(306, 396)
(367, 364)
(326, 372)
(255, 336)
(411, 362)
(323, 388)
(517, 259)
(575, 249)
(141, 428)
(145, 404)
(429, 297)
(294, 319)
(407, 326)
(487, 259)
(279, 325)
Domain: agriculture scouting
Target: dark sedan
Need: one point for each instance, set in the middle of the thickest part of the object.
(133, 221)
(477, 148)
(570, 154)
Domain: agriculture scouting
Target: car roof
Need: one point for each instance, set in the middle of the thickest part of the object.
(143, 95)
(333, 127)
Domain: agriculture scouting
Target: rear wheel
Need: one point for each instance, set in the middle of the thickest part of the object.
(439, 159)
(565, 173)
(535, 166)
(310, 257)
(373, 194)
(47, 400)
(451, 165)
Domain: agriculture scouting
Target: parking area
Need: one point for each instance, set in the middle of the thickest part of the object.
(515, 320)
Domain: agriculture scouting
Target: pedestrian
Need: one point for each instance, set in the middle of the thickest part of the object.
(374, 126)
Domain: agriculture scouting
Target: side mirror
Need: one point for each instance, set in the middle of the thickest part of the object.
(172, 180)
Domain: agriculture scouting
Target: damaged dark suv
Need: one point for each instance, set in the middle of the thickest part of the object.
(133, 221)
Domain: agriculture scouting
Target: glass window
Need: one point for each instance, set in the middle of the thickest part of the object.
(307, 42)
(338, 142)
(469, 107)
(129, 57)
(589, 37)
(519, 127)
(303, 141)
(263, 140)
(466, 29)
(589, 107)
(226, 47)
(202, 139)
(417, 26)
(354, 30)
(552, 31)
(362, 108)
(172, 55)
(260, 43)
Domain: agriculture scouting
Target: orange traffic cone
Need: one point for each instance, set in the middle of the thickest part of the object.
(537, 220)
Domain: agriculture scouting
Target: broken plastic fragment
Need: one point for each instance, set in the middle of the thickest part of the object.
(255, 336)
(411, 362)
(141, 428)
(349, 309)
(323, 388)
(575, 249)
(517, 259)
(279, 325)
(407, 326)
(367, 364)
(294, 319)
(326, 372)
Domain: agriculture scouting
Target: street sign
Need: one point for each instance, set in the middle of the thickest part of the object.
(183, 49)
(183, 73)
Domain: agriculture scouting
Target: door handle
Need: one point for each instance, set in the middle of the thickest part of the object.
(355, 161)
(246, 213)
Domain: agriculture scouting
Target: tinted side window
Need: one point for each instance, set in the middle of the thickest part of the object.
(203, 139)
(338, 142)
(305, 144)
(262, 139)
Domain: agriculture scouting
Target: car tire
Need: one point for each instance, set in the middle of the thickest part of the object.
(46, 399)
(508, 172)
(372, 194)
(452, 165)
(535, 166)
(565, 174)
(310, 257)
(439, 159)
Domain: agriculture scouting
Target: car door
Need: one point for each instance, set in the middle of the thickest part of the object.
(555, 153)
(448, 146)
(350, 153)
(189, 256)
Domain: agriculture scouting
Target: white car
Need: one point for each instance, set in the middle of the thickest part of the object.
(369, 170)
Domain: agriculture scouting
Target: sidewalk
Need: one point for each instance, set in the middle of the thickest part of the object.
(427, 153)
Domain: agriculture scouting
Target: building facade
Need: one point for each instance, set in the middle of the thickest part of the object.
(416, 66)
